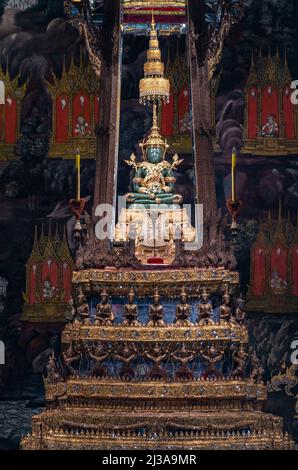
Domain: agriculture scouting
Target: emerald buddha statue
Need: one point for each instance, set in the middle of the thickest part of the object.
(154, 181)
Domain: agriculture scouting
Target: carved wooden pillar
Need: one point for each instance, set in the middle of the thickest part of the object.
(108, 127)
(203, 127)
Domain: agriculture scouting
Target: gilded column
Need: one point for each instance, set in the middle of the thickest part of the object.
(203, 127)
(108, 126)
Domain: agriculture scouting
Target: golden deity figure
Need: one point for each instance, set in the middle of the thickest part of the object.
(82, 310)
(156, 311)
(154, 181)
(157, 355)
(225, 309)
(240, 313)
(257, 370)
(205, 310)
(183, 356)
(126, 355)
(71, 360)
(131, 312)
(98, 354)
(240, 357)
(104, 314)
(183, 311)
(212, 356)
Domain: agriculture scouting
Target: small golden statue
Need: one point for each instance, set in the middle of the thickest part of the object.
(99, 354)
(126, 355)
(257, 370)
(157, 355)
(71, 360)
(212, 356)
(239, 362)
(183, 311)
(104, 314)
(131, 312)
(183, 356)
(205, 310)
(156, 311)
(82, 310)
(154, 180)
(240, 314)
(225, 309)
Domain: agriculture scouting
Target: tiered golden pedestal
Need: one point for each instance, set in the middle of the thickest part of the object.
(107, 412)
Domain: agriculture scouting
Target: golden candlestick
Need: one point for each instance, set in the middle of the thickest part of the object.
(78, 174)
(233, 174)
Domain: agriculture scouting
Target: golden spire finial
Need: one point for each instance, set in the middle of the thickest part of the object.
(154, 87)
(152, 19)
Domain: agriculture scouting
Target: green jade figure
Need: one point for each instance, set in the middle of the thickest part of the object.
(154, 181)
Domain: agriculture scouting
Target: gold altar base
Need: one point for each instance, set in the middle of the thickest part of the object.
(198, 410)
(77, 428)
(155, 230)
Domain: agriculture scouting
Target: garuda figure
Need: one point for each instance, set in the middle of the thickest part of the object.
(154, 181)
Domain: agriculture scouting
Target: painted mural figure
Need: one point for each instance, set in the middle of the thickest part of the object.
(185, 123)
(270, 129)
(277, 283)
(49, 291)
(82, 127)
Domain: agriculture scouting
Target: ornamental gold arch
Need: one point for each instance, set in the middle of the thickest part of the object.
(77, 78)
(17, 92)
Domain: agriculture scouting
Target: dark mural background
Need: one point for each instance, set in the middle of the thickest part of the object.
(33, 41)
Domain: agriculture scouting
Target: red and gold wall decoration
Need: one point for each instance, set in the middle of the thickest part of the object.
(175, 119)
(271, 120)
(49, 279)
(274, 268)
(10, 114)
(75, 111)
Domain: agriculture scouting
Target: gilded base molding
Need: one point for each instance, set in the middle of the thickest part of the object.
(168, 281)
(169, 334)
(197, 389)
(78, 429)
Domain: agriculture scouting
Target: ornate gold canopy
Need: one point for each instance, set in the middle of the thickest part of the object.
(154, 87)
